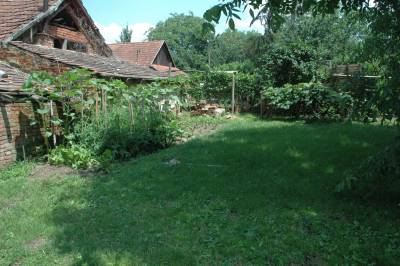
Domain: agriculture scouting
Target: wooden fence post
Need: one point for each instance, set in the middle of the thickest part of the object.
(233, 92)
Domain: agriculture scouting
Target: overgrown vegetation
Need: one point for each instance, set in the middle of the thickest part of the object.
(378, 177)
(101, 120)
(310, 101)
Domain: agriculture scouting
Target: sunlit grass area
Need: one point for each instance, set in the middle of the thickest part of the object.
(254, 193)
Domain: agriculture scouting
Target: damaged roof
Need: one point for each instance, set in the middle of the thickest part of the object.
(173, 71)
(18, 16)
(12, 82)
(141, 53)
(15, 14)
(104, 66)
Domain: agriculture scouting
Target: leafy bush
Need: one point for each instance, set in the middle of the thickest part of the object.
(378, 177)
(311, 101)
(216, 87)
(364, 93)
(295, 64)
(116, 133)
(105, 119)
(76, 156)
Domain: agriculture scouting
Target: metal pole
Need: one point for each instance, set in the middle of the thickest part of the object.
(233, 93)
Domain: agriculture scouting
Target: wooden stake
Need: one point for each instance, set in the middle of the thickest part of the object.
(97, 107)
(52, 125)
(233, 93)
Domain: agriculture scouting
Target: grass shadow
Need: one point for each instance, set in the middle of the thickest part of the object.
(253, 193)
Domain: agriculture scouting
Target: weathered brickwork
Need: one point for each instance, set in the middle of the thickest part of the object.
(29, 62)
(98, 46)
(18, 138)
(70, 35)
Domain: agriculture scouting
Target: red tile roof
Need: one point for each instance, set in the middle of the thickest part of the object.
(166, 70)
(140, 53)
(104, 66)
(16, 13)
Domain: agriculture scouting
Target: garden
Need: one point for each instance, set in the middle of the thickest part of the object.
(305, 171)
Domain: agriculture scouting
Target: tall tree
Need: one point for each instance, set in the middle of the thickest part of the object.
(232, 46)
(338, 38)
(126, 34)
(383, 19)
(186, 40)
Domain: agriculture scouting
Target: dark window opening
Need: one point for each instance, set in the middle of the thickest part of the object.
(70, 45)
(58, 44)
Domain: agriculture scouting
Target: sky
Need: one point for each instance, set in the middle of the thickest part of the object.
(111, 16)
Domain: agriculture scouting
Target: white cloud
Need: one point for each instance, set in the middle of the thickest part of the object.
(247, 26)
(112, 31)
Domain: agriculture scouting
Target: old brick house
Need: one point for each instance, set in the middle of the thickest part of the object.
(53, 36)
(153, 54)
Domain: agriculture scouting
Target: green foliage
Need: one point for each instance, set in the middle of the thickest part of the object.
(311, 101)
(365, 98)
(375, 31)
(295, 64)
(125, 140)
(378, 177)
(105, 115)
(19, 169)
(273, 12)
(126, 35)
(186, 40)
(232, 47)
(337, 38)
(76, 156)
(216, 86)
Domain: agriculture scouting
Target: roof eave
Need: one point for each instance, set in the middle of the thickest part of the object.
(22, 29)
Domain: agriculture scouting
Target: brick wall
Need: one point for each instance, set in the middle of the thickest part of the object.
(45, 40)
(67, 34)
(29, 62)
(18, 138)
(75, 36)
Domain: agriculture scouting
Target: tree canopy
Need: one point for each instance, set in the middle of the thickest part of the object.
(186, 40)
(126, 35)
(381, 43)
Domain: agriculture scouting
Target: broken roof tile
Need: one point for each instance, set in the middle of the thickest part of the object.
(104, 66)
(16, 13)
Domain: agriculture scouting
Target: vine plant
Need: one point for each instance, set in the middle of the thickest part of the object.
(81, 97)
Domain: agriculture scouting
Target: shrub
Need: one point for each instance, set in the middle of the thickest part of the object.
(311, 101)
(364, 93)
(293, 65)
(76, 156)
(378, 177)
(105, 118)
(149, 132)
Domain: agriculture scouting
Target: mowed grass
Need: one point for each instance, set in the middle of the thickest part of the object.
(254, 193)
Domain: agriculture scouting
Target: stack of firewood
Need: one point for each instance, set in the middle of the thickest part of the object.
(208, 109)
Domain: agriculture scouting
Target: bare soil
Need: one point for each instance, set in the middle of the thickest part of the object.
(43, 172)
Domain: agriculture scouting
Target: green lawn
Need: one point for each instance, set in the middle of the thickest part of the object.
(254, 193)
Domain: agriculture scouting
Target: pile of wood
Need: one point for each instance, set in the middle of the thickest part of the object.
(204, 108)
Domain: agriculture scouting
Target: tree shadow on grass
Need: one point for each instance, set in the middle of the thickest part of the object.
(259, 194)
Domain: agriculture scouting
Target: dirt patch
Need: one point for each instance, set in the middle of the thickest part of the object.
(47, 172)
(35, 244)
(50, 172)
